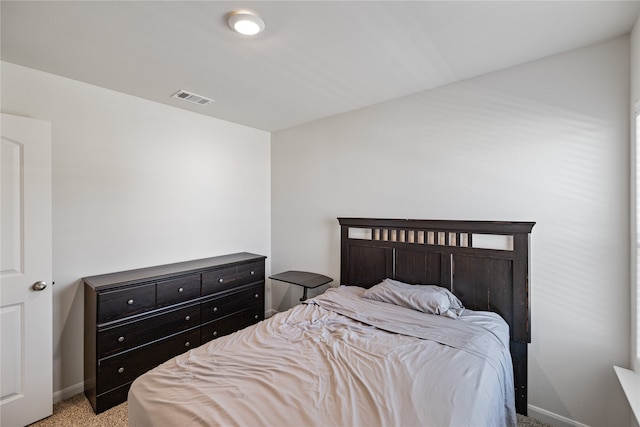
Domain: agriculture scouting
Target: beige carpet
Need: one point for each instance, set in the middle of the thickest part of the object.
(76, 411)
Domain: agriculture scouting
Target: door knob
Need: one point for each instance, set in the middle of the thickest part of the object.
(39, 286)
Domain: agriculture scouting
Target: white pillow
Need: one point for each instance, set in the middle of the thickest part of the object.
(431, 299)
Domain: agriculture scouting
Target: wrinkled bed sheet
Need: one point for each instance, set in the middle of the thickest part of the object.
(339, 360)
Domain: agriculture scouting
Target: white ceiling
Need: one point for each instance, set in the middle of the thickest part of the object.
(315, 58)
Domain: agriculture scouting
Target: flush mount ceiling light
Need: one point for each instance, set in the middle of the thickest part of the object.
(246, 23)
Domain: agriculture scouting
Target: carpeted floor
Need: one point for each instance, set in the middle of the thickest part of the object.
(76, 411)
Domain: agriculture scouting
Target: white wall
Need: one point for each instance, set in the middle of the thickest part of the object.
(548, 142)
(635, 61)
(635, 99)
(136, 184)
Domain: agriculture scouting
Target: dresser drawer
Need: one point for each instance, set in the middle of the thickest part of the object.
(230, 324)
(125, 367)
(252, 272)
(218, 280)
(113, 305)
(178, 290)
(226, 305)
(134, 334)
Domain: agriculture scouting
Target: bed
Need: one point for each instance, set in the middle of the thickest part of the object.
(392, 345)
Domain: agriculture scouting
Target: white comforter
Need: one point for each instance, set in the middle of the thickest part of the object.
(312, 366)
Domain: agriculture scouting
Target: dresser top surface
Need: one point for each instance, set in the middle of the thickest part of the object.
(160, 271)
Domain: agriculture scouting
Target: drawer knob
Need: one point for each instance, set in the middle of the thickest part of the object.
(215, 333)
(130, 302)
(253, 272)
(180, 289)
(187, 318)
(257, 295)
(121, 370)
(215, 309)
(187, 344)
(220, 280)
(120, 339)
(256, 316)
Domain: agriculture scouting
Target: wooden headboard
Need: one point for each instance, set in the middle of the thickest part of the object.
(484, 263)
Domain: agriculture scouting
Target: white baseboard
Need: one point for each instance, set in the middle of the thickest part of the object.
(551, 418)
(68, 392)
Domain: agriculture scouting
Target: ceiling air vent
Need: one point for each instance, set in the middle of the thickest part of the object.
(192, 97)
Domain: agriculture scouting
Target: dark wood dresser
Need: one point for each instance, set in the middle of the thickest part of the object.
(134, 320)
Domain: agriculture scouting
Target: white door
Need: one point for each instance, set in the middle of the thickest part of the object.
(25, 279)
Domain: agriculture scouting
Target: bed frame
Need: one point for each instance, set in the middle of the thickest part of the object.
(485, 264)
